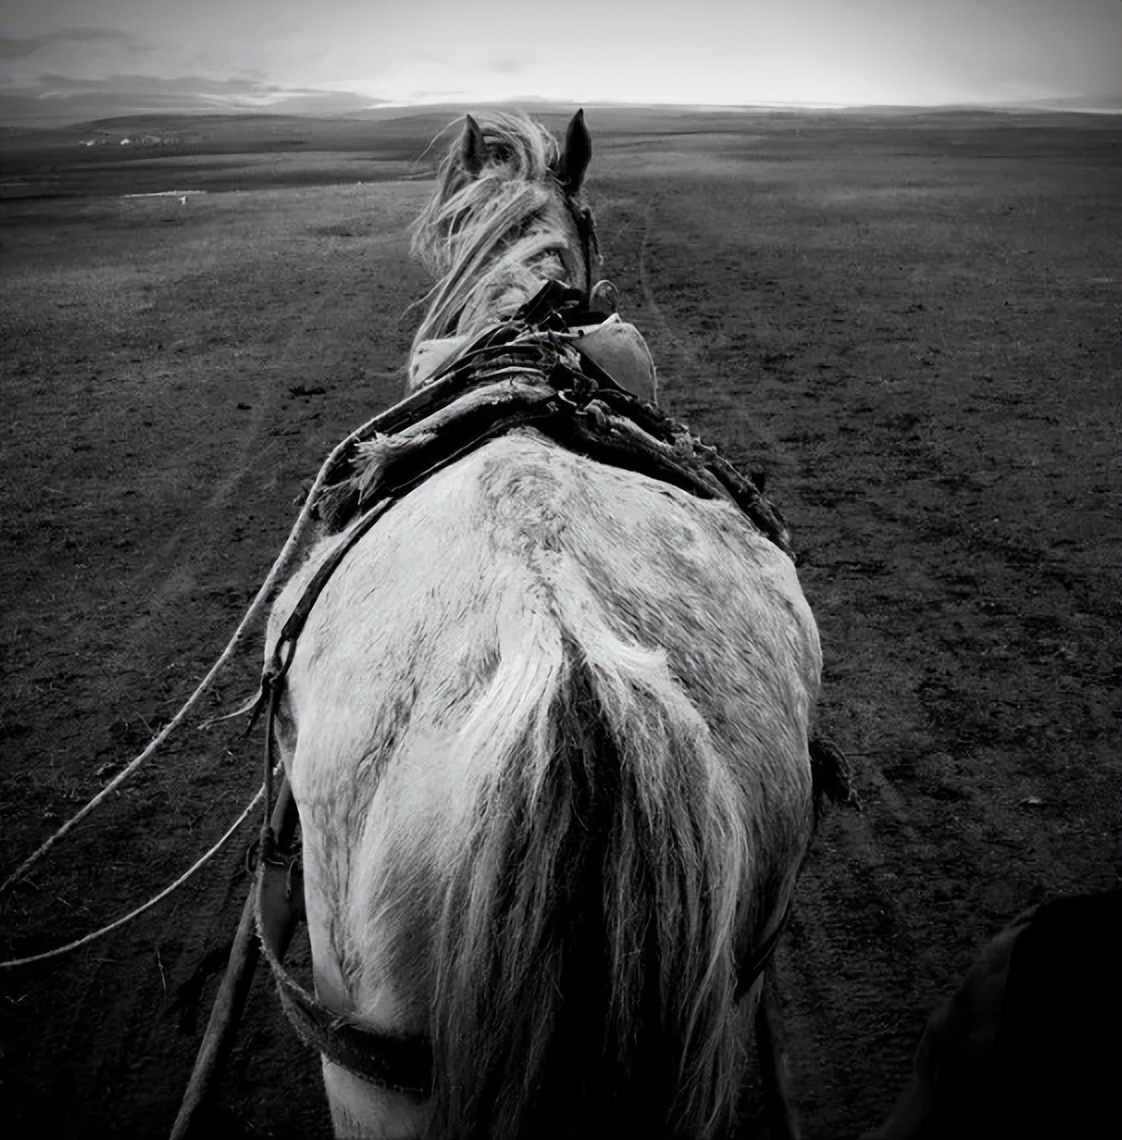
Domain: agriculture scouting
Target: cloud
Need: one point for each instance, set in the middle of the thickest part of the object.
(56, 100)
(508, 66)
(12, 47)
(818, 53)
(144, 84)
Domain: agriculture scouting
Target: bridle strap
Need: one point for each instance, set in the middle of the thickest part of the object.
(273, 676)
(587, 230)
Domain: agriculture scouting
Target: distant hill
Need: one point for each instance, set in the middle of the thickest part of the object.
(137, 95)
(133, 95)
(162, 152)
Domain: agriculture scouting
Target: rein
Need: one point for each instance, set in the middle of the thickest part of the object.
(522, 373)
(586, 229)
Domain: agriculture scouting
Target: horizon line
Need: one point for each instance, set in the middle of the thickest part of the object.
(46, 121)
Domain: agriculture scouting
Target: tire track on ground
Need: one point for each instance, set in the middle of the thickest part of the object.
(662, 324)
(846, 916)
(168, 579)
(173, 580)
(692, 385)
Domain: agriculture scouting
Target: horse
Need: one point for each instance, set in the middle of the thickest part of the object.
(546, 726)
(1027, 1044)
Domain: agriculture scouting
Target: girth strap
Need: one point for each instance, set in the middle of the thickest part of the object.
(402, 1063)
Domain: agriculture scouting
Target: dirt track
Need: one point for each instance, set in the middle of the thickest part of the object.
(913, 325)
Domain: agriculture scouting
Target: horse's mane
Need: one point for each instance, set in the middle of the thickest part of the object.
(490, 237)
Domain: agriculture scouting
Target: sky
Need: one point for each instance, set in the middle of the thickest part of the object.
(342, 55)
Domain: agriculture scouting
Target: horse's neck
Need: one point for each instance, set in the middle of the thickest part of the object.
(510, 281)
(494, 262)
(497, 298)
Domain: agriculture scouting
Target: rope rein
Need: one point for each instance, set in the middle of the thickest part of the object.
(295, 536)
(125, 919)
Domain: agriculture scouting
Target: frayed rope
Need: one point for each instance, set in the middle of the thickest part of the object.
(124, 919)
(282, 560)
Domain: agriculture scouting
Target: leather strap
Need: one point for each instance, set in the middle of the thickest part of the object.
(401, 1063)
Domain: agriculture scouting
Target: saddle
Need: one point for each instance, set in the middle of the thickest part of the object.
(549, 367)
(614, 346)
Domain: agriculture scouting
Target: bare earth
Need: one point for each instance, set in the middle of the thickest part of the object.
(912, 324)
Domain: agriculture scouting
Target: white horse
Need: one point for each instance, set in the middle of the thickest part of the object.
(547, 729)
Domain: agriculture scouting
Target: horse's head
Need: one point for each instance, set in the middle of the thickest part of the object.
(505, 218)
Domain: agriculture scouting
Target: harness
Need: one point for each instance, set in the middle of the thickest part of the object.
(523, 373)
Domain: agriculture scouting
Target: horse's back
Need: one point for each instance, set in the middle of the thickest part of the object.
(519, 588)
(518, 554)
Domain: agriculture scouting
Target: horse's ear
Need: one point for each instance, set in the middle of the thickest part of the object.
(578, 151)
(473, 151)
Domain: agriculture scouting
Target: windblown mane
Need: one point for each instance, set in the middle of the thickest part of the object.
(490, 238)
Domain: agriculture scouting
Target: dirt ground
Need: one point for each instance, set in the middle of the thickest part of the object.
(912, 324)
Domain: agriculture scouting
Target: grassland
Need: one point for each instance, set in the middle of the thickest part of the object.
(912, 322)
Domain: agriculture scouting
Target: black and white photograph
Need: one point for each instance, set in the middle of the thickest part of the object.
(559, 569)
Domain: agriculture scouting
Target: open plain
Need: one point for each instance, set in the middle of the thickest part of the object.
(912, 323)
